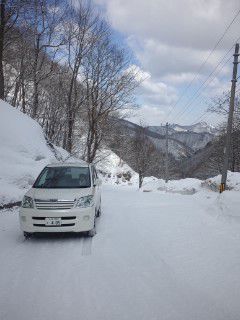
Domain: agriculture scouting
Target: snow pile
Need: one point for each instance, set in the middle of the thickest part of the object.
(233, 182)
(190, 185)
(23, 153)
(113, 170)
(183, 186)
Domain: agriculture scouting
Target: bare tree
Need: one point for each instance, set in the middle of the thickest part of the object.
(45, 37)
(109, 84)
(143, 153)
(9, 14)
(221, 107)
(79, 33)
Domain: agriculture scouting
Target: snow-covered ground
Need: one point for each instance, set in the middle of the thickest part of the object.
(156, 255)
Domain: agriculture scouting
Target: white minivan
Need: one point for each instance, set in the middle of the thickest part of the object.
(66, 197)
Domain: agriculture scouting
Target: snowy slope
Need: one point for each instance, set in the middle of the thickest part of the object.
(114, 170)
(23, 153)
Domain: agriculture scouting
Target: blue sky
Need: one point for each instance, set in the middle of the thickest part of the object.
(169, 41)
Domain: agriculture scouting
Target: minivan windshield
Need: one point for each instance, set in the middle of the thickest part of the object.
(63, 177)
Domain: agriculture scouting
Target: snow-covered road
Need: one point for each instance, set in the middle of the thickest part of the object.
(156, 256)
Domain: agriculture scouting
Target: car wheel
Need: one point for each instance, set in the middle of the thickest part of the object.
(92, 232)
(99, 212)
(27, 235)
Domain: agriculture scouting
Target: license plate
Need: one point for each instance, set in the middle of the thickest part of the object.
(53, 221)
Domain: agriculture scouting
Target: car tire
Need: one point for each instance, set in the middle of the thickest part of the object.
(99, 212)
(27, 235)
(92, 232)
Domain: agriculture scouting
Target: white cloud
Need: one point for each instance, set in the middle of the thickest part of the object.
(148, 115)
(158, 92)
(153, 90)
(185, 23)
(171, 39)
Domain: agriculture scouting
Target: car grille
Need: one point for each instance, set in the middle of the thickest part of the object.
(53, 204)
(40, 222)
(63, 225)
(62, 218)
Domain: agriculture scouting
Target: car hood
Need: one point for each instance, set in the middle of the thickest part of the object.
(59, 194)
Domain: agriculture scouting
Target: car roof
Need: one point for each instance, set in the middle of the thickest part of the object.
(80, 163)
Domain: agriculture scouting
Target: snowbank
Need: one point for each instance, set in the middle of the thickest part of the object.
(233, 182)
(190, 186)
(23, 153)
(183, 186)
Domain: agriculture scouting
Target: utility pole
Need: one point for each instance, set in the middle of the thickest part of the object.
(166, 156)
(230, 120)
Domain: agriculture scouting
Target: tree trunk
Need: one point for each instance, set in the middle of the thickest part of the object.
(69, 143)
(23, 96)
(2, 30)
(35, 100)
(140, 179)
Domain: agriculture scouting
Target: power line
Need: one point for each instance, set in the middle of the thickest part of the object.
(203, 63)
(196, 93)
(227, 95)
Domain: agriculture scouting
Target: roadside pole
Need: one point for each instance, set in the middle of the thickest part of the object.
(166, 156)
(230, 121)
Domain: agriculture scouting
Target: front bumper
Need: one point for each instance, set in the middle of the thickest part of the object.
(72, 220)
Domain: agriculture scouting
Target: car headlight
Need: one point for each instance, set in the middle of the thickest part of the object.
(84, 202)
(27, 202)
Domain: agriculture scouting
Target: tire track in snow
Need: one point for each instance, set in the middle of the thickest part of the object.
(86, 246)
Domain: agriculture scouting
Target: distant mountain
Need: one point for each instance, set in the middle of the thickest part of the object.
(200, 127)
(195, 136)
(177, 147)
